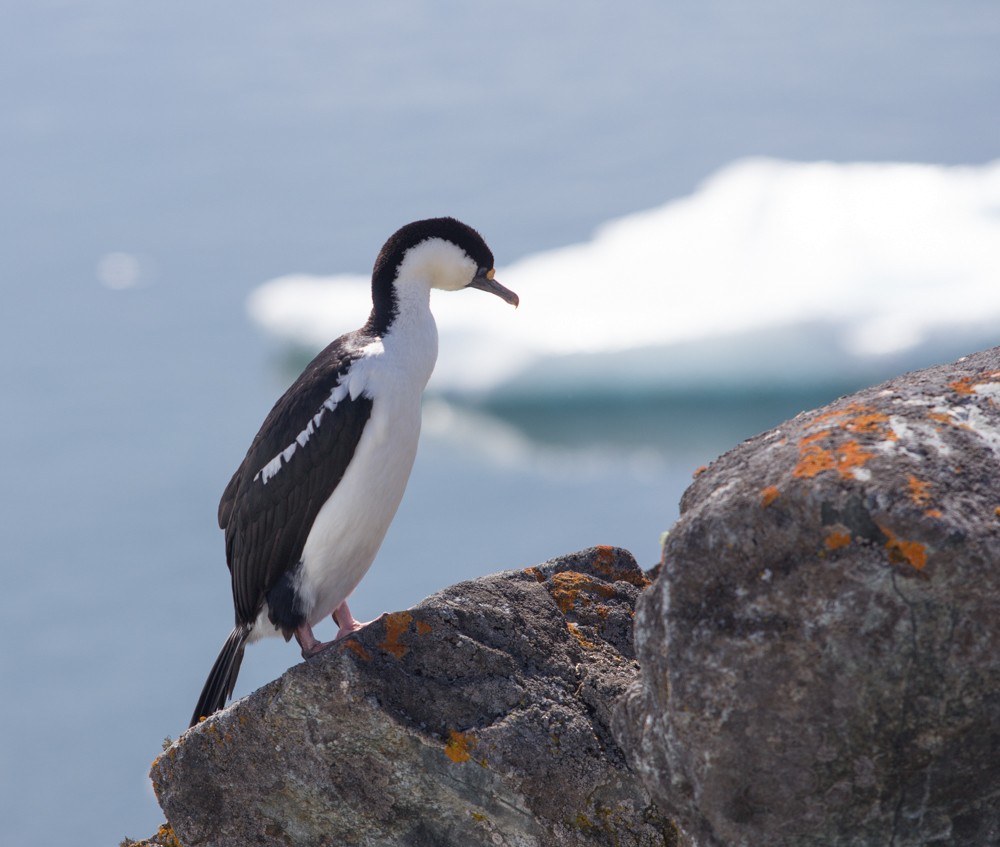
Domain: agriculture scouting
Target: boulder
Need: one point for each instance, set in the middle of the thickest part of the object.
(821, 652)
(479, 717)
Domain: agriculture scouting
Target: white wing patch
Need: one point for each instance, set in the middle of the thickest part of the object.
(353, 383)
(338, 394)
(270, 470)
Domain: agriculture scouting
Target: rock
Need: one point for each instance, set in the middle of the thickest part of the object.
(164, 838)
(821, 652)
(479, 717)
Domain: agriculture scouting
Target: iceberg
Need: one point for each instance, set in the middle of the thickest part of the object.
(771, 274)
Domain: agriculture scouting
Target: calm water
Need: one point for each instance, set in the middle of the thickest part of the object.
(225, 145)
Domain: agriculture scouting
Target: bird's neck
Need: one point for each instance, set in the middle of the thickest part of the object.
(410, 335)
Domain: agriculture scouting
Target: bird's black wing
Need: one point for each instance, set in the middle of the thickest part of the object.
(293, 465)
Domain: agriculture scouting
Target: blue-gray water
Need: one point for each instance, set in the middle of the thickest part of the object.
(226, 143)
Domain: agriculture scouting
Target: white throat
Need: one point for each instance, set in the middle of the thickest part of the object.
(411, 341)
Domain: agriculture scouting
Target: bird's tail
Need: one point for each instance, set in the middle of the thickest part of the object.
(222, 678)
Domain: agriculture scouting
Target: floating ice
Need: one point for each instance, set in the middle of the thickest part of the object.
(770, 272)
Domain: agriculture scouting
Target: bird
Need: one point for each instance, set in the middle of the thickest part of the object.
(307, 509)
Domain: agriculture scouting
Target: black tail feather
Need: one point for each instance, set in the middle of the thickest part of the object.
(222, 678)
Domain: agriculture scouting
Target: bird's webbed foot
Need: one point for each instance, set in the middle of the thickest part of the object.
(345, 620)
(308, 642)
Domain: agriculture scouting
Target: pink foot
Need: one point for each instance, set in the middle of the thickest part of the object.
(342, 617)
(345, 620)
(308, 642)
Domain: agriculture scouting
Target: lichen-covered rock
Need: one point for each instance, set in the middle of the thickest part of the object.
(164, 838)
(821, 652)
(479, 717)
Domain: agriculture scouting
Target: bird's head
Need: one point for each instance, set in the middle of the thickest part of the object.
(439, 253)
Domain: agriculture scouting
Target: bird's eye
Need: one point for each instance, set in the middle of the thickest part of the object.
(491, 273)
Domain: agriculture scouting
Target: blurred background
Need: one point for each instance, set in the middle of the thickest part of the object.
(716, 215)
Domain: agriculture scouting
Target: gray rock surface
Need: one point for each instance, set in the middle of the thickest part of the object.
(479, 717)
(821, 651)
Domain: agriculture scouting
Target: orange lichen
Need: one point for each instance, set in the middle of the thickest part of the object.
(875, 423)
(933, 513)
(851, 456)
(566, 588)
(996, 511)
(423, 628)
(768, 495)
(166, 836)
(856, 417)
(900, 550)
(604, 561)
(814, 437)
(813, 460)
(836, 539)
(920, 491)
(837, 413)
(967, 384)
(458, 745)
(941, 417)
(604, 564)
(844, 459)
(357, 648)
(699, 471)
(574, 630)
(396, 624)
(536, 573)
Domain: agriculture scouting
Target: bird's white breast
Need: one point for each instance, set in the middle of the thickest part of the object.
(351, 525)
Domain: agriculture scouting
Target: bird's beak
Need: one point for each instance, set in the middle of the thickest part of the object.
(484, 282)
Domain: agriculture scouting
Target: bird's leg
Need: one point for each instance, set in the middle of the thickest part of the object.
(308, 642)
(341, 616)
(345, 620)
